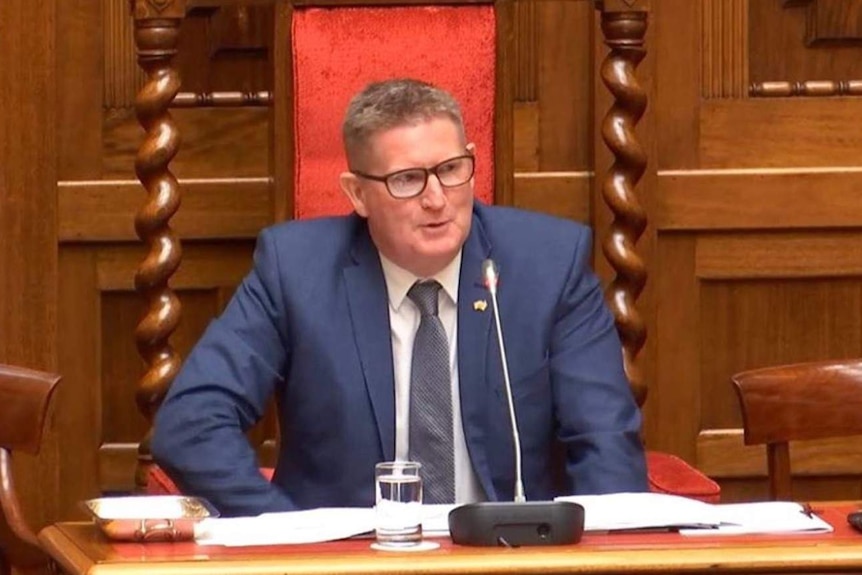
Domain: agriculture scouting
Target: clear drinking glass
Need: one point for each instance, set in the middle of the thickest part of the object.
(398, 505)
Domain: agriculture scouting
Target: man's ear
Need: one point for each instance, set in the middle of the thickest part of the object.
(351, 188)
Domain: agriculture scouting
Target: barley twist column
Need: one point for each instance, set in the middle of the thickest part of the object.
(157, 27)
(624, 24)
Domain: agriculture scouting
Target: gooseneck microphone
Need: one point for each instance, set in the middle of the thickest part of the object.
(515, 523)
(490, 277)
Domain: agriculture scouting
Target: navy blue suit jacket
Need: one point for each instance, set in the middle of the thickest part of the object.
(310, 326)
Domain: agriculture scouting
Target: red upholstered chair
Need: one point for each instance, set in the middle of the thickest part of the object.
(330, 51)
(24, 398)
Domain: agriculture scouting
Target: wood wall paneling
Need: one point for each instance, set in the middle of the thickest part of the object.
(563, 194)
(564, 89)
(28, 257)
(98, 211)
(779, 133)
(671, 409)
(80, 30)
(79, 400)
(679, 75)
(833, 21)
(753, 198)
(725, 48)
(777, 43)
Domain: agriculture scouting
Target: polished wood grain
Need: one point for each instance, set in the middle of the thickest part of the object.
(28, 213)
(24, 398)
(156, 42)
(780, 37)
(759, 133)
(815, 400)
(833, 20)
(227, 208)
(79, 549)
(725, 48)
(723, 453)
(758, 198)
(624, 34)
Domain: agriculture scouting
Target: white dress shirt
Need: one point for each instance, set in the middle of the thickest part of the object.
(404, 320)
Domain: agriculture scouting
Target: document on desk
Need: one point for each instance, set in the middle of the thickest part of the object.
(641, 511)
(308, 526)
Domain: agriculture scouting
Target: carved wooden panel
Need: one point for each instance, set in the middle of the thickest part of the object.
(123, 77)
(778, 47)
(552, 113)
(725, 48)
(221, 49)
(739, 308)
(833, 20)
(98, 358)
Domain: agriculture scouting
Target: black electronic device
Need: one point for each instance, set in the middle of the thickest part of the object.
(855, 520)
(520, 522)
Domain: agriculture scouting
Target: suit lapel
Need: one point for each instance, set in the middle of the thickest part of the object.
(369, 314)
(473, 332)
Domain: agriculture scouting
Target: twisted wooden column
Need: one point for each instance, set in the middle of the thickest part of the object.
(157, 28)
(624, 24)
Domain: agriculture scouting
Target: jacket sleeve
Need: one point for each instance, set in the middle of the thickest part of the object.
(222, 390)
(598, 419)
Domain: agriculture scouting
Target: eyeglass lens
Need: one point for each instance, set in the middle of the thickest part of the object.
(451, 173)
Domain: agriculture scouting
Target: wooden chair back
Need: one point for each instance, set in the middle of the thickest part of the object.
(24, 398)
(780, 404)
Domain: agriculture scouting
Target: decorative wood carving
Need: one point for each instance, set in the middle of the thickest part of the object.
(810, 89)
(222, 99)
(624, 24)
(123, 77)
(157, 27)
(830, 20)
(725, 48)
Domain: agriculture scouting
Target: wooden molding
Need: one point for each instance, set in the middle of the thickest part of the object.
(123, 77)
(239, 28)
(526, 51)
(725, 48)
(722, 454)
(808, 89)
(830, 21)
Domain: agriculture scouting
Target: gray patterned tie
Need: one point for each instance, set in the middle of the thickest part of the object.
(431, 399)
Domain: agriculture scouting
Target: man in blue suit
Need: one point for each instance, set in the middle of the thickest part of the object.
(326, 321)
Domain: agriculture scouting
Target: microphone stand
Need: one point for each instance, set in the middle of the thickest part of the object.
(514, 523)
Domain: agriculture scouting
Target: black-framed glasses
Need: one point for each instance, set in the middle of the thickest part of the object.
(411, 182)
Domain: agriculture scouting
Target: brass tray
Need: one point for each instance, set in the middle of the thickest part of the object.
(149, 517)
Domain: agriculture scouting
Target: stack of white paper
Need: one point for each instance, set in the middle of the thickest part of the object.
(310, 526)
(614, 512)
(627, 511)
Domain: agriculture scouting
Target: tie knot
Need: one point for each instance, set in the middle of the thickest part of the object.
(424, 295)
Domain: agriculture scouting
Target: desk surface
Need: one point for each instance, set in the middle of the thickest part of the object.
(79, 548)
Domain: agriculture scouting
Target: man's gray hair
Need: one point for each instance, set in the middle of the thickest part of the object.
(393, 103)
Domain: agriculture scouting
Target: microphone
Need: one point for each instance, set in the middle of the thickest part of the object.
(514, 523)
(491, 277)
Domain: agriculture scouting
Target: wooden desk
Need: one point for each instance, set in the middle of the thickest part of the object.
(79, 548)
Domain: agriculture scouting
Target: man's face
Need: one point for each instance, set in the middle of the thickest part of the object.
(421, 234)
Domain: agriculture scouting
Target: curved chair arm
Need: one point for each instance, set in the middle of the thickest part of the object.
(24, 398)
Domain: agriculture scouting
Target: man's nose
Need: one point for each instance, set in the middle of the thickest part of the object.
(435, 195)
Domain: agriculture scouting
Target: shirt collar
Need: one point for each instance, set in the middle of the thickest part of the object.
(399, 281)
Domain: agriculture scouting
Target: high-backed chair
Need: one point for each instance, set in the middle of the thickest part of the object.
(357, 41)
(24, 398)
(814, 400)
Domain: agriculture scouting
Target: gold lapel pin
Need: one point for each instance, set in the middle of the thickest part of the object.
(480, 305)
